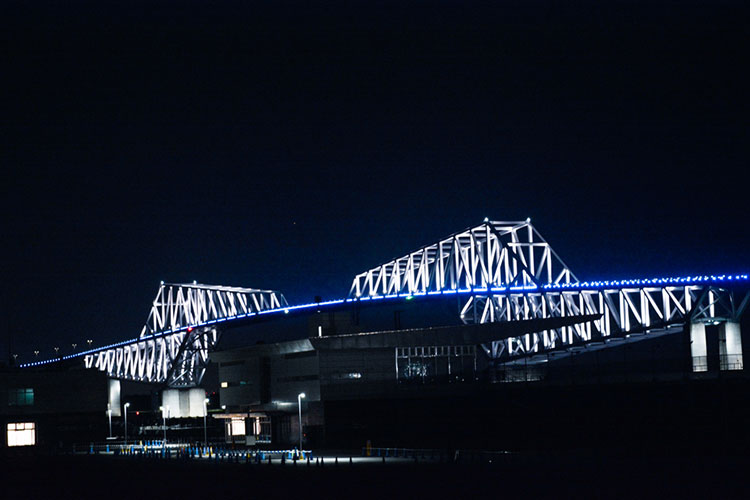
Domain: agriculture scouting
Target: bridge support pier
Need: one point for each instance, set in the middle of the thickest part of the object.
(698, 348)
(184, 402)
(730, 346)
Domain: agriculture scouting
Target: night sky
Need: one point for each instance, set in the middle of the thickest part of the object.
(294, 146)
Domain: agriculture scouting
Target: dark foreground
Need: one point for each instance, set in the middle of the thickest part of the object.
(563, 476)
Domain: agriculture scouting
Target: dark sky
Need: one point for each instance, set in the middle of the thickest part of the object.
(291, 147)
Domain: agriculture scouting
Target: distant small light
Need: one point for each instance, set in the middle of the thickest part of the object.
(410, 297)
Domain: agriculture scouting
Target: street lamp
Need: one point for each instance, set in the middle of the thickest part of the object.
(299, 406)
(109, 415)
(164, 411)
(125, 406)
(205, 412)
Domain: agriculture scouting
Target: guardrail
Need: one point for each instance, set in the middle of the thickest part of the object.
(158, 449)
(439, 455)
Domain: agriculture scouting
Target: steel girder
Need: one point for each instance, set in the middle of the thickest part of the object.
(181, 329)
(492, 254)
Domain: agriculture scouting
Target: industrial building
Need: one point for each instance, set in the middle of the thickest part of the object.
(433, 386)
(54, 409)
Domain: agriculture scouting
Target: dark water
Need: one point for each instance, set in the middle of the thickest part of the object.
(559, 476)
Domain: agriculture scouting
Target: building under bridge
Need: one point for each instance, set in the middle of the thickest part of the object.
(436, 387)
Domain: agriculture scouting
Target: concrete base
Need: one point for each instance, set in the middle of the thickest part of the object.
(730, 346)
(184, 402)
(698, 348)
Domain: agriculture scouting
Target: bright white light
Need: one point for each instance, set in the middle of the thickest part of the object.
(238, 427)
(21, 434)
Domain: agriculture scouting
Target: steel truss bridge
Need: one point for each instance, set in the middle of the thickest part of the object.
(501, 271)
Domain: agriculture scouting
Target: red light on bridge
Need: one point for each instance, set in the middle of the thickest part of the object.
(190, 329)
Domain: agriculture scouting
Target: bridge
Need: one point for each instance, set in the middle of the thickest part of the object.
(500, 272)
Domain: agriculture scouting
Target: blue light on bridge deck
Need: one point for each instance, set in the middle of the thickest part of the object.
(587, 285)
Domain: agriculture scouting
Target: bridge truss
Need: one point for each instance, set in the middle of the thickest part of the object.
(624, 309)
(492, 254)
(508, 272)
(181, 329)
(500, 271)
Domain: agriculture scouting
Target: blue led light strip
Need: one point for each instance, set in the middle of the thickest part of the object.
(586, 285)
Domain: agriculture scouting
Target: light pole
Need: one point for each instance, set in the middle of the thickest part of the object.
(205, 412)
(164, 410)
(109, 415)
(299, 406)
(125, 407)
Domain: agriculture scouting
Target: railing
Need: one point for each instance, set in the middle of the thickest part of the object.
(440, 455)
(158, 450)
(730, 362)
(700, 364)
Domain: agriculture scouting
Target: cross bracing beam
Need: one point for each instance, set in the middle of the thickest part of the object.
(180, 331)
(491, 254)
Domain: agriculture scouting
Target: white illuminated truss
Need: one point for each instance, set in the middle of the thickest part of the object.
(493, 254)
(626, 308)
(182, 327)
(508, 272)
